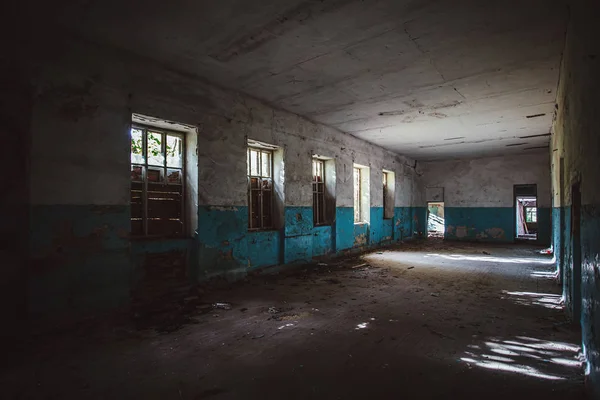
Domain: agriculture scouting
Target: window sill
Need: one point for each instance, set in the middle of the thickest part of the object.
(361, 223)
(320, 225)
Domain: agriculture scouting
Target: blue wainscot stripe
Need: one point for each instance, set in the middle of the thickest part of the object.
(222, 242)
(486, 224)
(263, 248)
(298, 241)
(566, 257)
(361, 235)
(322, 241)
(556, 232)
(344, 228)
(375, 226)
(79, 258)
(403, 222)
(419, 226)
(590, 246)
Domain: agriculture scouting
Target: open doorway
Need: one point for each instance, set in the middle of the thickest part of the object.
(526, 223)
(435, 219)
(526, 218)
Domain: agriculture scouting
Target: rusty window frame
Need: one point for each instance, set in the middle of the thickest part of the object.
(318, 190)
(357, 175)
(165, 190)
(260, 188)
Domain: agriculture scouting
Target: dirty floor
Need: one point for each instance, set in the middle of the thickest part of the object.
(430, 320)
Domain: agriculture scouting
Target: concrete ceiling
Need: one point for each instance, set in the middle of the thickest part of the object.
(428, 79)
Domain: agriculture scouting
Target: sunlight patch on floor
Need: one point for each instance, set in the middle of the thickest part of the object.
(546, 300)
(526, 356)
(513, 260)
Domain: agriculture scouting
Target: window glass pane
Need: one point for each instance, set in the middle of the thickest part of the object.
(254, 162)
(321, 214)
(315, 208)
(154, 175)
(266, 199)
(266, 164)
(174, 149)
(267, 184)
(314, 165)
(137, 146)
(136, 173)
(173, 176)
(155, 155)
(255, 209)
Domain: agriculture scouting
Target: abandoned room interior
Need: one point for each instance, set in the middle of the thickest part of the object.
(301, 199)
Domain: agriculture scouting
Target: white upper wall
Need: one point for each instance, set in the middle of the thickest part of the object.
(488, 182)
(80, 134)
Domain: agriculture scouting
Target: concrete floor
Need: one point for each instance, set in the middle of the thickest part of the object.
(418, 321)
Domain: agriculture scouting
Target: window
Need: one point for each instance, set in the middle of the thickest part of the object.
(157, 182)
(260, 188)
(318, 188)
(357, 196)
(530, 214)
(385, 192)
(389, 194)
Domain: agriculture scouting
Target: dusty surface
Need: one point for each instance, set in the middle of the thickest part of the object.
(443, 321)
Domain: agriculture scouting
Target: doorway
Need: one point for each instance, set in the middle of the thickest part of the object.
(576, 249)
(435, 219)
(526, 217)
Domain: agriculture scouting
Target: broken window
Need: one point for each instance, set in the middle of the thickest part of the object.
(530, 214)
(260, 188)
(318, 188)
(357, 196)
(157, 182)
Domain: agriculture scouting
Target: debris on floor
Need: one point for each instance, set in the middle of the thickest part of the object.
(222, 306)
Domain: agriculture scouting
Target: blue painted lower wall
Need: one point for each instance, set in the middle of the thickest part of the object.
(491, 224)
(486, 224)
(82, 257)
(79, 258)
(590, 257)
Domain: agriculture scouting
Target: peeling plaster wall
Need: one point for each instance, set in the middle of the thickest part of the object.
(82, 256)
(576, 140)
(478, 194)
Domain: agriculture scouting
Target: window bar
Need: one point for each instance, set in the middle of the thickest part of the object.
(260, 196)
(145, 183)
